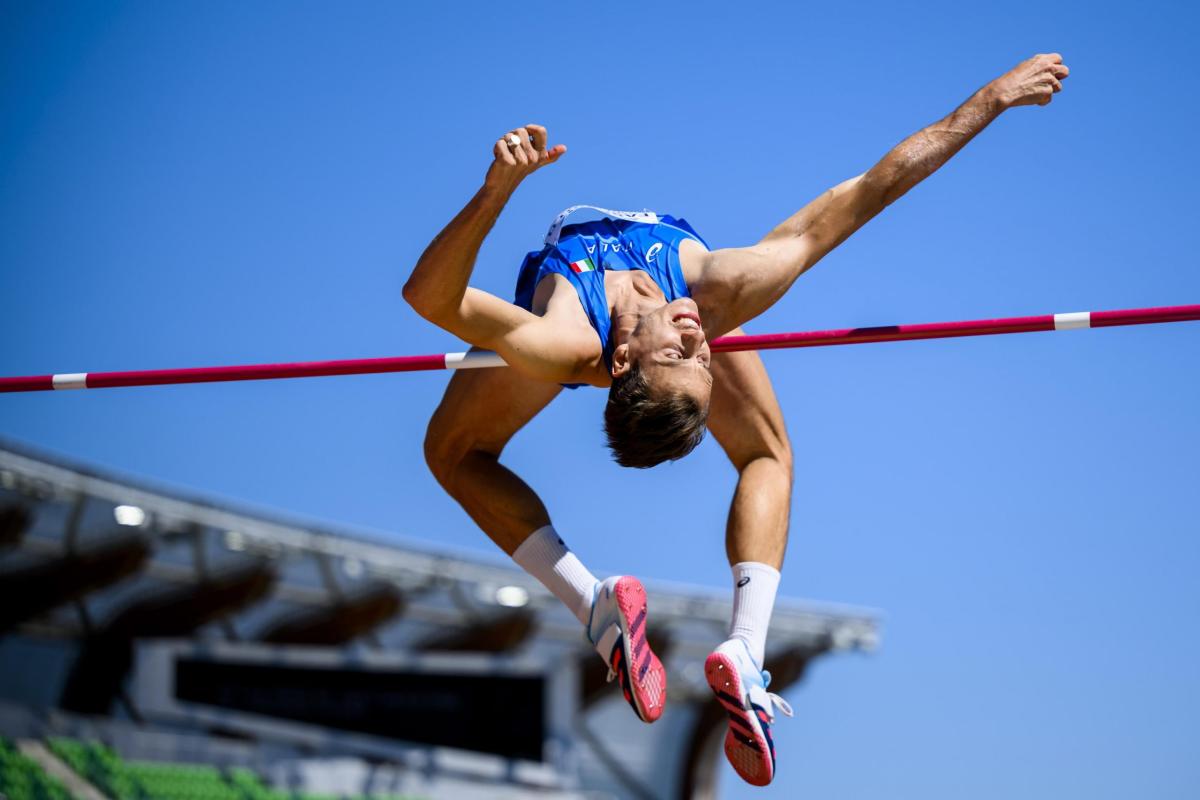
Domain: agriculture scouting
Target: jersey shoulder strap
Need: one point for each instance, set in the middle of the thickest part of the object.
(632, 216)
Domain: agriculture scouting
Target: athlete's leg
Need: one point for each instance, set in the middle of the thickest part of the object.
(748, 423)
(479, 414)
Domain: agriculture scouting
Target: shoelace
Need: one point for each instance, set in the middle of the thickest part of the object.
(775, 700)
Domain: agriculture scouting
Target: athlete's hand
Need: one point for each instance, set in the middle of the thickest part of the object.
(1032, 82)
(517, 158)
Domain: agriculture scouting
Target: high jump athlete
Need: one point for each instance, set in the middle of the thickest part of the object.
(629, 302)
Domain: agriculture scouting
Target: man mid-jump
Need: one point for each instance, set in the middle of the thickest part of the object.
(629, 302)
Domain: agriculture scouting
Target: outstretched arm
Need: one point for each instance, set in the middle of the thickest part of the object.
(749, 281)
(438, 290)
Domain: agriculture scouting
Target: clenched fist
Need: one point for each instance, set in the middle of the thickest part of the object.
(519, 153)
(1032, 82)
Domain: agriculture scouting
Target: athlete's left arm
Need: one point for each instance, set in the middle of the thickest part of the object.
(756, 277)
(438, 290)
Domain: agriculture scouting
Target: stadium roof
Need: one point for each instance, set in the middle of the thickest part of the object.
(93, 556)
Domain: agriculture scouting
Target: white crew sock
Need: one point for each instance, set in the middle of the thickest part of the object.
(546, 557)
(754, 587)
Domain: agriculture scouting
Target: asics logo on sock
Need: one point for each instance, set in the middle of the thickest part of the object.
(743, 581)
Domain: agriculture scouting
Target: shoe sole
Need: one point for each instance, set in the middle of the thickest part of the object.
(748, 744)
(645, 682)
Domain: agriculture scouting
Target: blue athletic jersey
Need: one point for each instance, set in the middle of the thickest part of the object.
(583, 253)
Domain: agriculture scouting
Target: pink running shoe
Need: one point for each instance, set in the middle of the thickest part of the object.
(741, 689)
(618, 630)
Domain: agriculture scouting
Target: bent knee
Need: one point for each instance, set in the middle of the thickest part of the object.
(448, 445)
(773, 452)
(445, 449)
(780, 451)
(786, 460)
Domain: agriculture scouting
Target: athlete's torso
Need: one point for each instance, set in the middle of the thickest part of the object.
(572, 278)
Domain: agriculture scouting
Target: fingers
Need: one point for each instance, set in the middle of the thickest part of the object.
(521, 147)
(1045, 74)
(522, 150)
(1052, 63)
(527, 147)
(503, 152)
(1043, 92)
(537, 136)
(513, 147)
(540, 141)
(1054, 76)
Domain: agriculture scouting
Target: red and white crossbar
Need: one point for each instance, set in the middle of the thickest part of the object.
(478, 359)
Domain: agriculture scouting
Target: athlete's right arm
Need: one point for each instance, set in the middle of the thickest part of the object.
(438, 290)
(739, 284)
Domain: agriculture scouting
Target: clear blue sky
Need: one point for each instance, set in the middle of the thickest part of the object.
(184, 184)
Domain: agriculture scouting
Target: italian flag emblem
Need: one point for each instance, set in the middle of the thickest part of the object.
(583, 265)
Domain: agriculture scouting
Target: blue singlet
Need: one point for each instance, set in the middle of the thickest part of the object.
(582, 253)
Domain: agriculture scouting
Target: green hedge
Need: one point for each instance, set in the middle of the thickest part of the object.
(145, 780)
(22, 778)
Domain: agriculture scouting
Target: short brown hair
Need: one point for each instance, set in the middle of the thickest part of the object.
(644, 430)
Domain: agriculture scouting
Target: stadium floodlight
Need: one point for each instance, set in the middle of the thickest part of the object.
(512, 596)
(235, 541)
(131, 516)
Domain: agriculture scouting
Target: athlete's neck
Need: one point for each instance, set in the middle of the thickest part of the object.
(632, 295)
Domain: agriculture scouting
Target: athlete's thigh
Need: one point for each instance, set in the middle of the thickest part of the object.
(483, 408)
(745, 417)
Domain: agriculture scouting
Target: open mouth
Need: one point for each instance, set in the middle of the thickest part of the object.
(688, 315)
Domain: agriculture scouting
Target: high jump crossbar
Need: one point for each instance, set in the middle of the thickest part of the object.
(480, 358)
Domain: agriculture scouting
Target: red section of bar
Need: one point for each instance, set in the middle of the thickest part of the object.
(771, 341)
(247, 372)
(28, 383)
(251, 372)
(1141, 316)
(885, 333)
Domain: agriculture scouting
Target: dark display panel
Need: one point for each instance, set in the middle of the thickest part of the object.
(500, 715)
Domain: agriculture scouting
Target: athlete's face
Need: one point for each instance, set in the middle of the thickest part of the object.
(669, 347)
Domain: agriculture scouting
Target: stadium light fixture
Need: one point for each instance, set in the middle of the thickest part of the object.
(512, 596)
(131, 516)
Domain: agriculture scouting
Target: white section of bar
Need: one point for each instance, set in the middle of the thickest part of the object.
(475, 360)
(71, 380)
(1076, 319)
